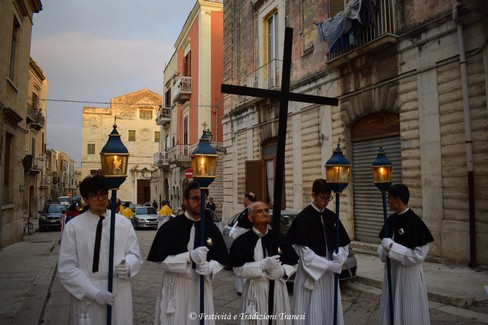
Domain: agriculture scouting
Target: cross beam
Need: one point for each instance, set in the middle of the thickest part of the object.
(284, 95)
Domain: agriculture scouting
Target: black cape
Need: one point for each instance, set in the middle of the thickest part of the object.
(242, 250)
(173, 236)
(410, 231)
(243, 220)
(307, 230)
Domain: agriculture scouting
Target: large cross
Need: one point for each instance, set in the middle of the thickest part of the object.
(284, 95)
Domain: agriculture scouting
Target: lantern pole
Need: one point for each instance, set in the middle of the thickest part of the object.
(382, 176)
(114, 158)
(338, 173)
(204, 166)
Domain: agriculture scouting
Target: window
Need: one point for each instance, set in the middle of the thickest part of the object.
(93, 172)
(157, 136)
(185, 130)
(187, 65)
(7, 169)
(35, 101)
(13, 48)
(132, 135)
(145, 114)
(90, 149)
(336, 6)
(167, 98)
(272, 51)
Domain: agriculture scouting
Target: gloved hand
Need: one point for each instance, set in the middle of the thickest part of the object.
(335, 267)
(271, 262)
(276, 273)
(122, 270)
(203, 268)
(337, 258)
(386, 244)
(104, 297)
(199, 254)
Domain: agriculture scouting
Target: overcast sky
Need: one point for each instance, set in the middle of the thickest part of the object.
(92, 51)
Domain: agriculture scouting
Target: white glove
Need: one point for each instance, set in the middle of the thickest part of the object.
(199, 254)
(271, 262)
(386, 243)
(276, 273)
(122, 270)
(203, 268)
(104, 297)
(335, 267)
(337, 258)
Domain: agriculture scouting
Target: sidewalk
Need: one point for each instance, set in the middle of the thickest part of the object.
(28, 269)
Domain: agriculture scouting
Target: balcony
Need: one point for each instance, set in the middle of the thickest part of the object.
(45, 181)
(34, 118)
(180, 155)
(181, 89)
(160, 160)
(164, 115)
(36, 167)
(380, 33)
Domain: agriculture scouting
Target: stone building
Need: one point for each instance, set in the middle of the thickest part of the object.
(15, 32)
(192, 101)
(135, 114)
(410, 77)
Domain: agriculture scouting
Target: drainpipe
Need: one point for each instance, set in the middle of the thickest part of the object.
(467, 135)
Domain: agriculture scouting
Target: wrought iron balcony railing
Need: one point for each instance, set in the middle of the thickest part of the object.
(181, 89)
(164, 115)
(35, 118)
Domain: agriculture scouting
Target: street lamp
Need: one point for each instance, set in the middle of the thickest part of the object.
(382, 176)
(204, 166)
(114, 156)
(338, 175)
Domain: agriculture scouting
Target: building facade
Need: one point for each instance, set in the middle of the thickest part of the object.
(134, 114)
(15, 32)
(408, 76)
(192, 101)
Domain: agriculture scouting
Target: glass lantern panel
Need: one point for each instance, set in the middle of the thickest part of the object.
(204, 166)
(382, 174)
(338, 174)
(114, 165)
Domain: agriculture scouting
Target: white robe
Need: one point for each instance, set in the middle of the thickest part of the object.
(313, 291)
(256, 289)
(179, 297)
(410, 300)
(75, 267)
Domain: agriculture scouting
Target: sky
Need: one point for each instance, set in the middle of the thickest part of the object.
(95, 50)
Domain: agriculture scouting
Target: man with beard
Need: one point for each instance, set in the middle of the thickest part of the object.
(176, 246)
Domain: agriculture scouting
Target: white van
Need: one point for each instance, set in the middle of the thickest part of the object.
(64, 200)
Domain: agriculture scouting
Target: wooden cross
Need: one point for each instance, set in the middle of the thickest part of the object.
(284, 95)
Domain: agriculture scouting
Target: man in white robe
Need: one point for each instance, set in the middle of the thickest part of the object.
(250, 259)
(313, 235)
(176, 246)
(86, 278)
(406, 245)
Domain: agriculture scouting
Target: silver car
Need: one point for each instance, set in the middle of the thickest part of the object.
(145, 217)
(348, 269)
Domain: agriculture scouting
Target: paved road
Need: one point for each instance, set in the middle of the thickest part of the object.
(360, 303)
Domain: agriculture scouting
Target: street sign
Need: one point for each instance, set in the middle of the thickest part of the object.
(189, 173)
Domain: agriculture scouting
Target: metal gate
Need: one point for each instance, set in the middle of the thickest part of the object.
(368, 206)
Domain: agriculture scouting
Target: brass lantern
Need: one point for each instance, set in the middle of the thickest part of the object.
(115, 158)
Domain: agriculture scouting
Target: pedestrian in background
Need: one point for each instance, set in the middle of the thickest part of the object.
(313, 234)
(241, 226)
(83, 260)
(155, 204)
(210, 204)
(251, 260)
(176, 246)
(407, 245)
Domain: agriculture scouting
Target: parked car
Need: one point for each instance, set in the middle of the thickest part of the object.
(50, 218)
(145, 217)
(348, 269)
(215, 218)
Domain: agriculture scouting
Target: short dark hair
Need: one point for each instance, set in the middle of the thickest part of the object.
(93, 184)
(190, 186)
(400, 191)
(320, 186)
(250, 196)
